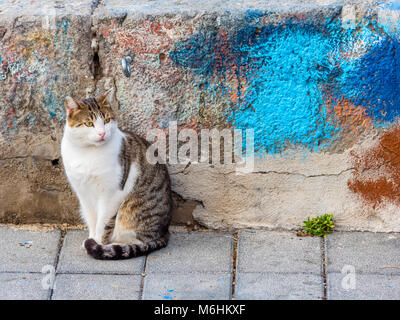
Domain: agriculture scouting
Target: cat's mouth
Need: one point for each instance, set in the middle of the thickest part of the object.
(101, 140)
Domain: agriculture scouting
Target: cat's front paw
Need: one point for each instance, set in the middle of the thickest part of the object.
(83, 245)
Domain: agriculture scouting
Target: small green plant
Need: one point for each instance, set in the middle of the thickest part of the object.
(319, 226)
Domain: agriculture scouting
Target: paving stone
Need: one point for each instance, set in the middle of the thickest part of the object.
(195, 286)
(97, 287)
(367, 252)
(22, 286)
(74, 259)
(367, 287)
(275, 251)
(27, 251)
(191, 252)
(276, 286)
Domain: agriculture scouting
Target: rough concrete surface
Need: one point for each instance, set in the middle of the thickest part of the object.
(22, 286)
(290, 268)
(192, 286)
(316, 80)
(97, 287)
(190, 252)
(349, 249)
(367, 287)
(258, 251)
(44, 55)
(278, 286)
(25, 251)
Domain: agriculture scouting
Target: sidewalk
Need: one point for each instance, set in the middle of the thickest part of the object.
(204, 265)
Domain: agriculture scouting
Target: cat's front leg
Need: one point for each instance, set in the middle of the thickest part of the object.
(89, 215)
(105, 212)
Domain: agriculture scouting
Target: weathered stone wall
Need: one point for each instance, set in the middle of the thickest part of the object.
(317, 81)
(45, 53)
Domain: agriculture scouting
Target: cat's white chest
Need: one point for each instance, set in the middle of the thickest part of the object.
(95, 173)
(94, 170)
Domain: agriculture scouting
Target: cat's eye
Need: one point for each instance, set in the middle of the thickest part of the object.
(107, 120)
(89, 124)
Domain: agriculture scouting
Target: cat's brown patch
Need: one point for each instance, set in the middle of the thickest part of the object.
(88, 110)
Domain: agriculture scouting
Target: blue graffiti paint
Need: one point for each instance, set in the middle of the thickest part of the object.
(31, 119)
(283, 99)
(372, 80)
(197, 53)
(53, 104)
(60, 36)
(288, 70)
(284, 67)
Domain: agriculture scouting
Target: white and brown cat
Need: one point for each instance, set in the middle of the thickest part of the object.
(125, 201)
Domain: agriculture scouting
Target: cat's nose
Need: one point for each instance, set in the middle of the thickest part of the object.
(101, 134)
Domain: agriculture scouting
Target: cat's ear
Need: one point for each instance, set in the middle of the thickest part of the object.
(106, 98)
(71, 105)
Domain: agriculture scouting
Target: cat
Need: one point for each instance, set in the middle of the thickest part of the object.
(124, 200)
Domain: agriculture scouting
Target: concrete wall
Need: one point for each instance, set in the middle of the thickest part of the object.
(316, 80)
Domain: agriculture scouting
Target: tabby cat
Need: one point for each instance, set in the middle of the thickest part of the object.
(125, 201)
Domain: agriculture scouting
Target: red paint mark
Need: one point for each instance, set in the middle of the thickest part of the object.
(150, 38)
(347, 114)
(10, 117)
(377, 170)
(225, 59)
(222, 50)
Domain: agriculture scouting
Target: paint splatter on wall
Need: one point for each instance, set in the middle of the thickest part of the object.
(371, 78)
(377, 170)
(298, 83)
(36, 66)
(285, 67)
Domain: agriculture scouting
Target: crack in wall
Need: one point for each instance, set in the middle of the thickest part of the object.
(95, 4)
(116, 93)
(95, 65)
(3, 31)
(278, 172)
(302, 174)
(121, 19)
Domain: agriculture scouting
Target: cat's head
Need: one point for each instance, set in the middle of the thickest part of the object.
(90, 122)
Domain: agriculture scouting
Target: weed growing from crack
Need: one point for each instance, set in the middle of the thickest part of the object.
(319, 226)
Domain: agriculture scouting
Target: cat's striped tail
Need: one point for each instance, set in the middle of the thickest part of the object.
(123, 251)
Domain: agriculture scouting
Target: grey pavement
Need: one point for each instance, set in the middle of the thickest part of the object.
(74, 259)
(204, 265)
(26, 251)
(278, 265)
(96, 287)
